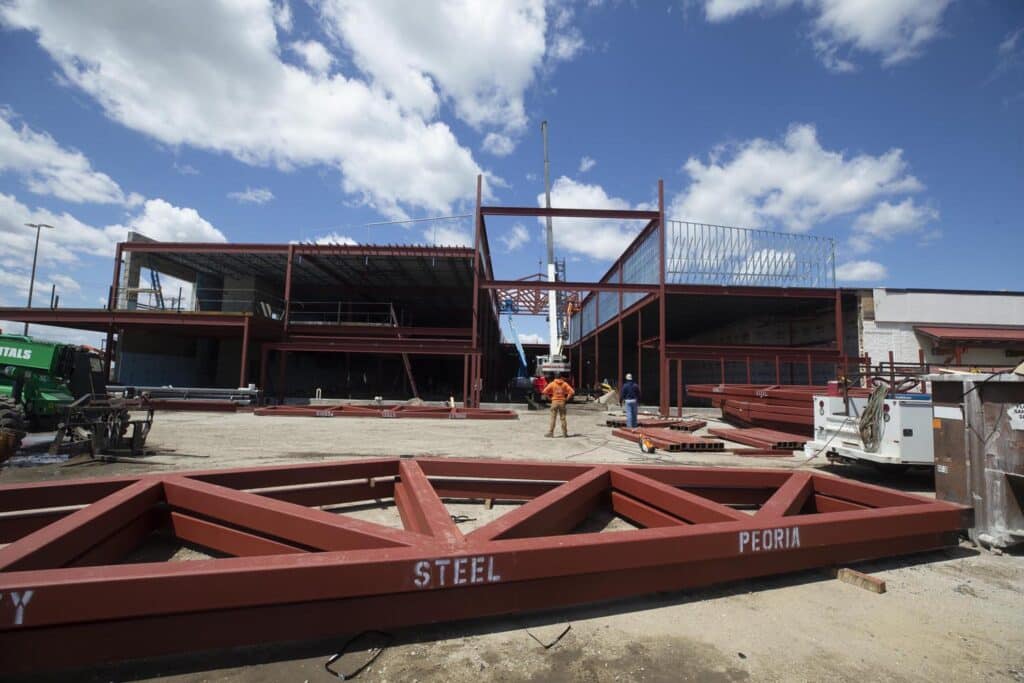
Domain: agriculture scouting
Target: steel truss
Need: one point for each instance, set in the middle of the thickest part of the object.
(294, 571)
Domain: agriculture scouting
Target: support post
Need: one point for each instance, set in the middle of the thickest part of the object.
(477, 246)
(810, 370)
(778, 371)
(115, 286)
(282, 373)
(679, 387)
(618, 319)
(264, 357)
(748, 369)
(663, 376)
(639, 348)
(839, 321)
(288, 289)
(243, 373)
(108, 352)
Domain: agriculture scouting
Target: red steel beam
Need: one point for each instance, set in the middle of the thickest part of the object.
(304, 526)
(225, 539)
(789, 498)
(71, 536)
(681, 504)
(541, 212)
(645, 515)
(554, 512)
(420, 504)
(380, 577)
(564, 286)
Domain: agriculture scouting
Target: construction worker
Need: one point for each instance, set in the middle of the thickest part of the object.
(559, 391)
(630, 396)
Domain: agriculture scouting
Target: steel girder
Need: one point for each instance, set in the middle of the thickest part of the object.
(291, 571)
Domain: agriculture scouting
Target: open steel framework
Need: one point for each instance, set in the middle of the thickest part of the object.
(668, 261)
(290, 571)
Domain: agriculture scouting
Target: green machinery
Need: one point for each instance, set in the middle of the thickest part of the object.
(48, 386)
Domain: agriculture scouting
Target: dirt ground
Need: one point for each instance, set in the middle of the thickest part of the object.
(953, 615)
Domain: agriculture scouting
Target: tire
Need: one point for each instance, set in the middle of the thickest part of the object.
(12, 420)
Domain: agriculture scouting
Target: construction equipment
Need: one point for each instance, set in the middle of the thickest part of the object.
(555, 362)
(48, 385)
(890, 430)
(522, 385)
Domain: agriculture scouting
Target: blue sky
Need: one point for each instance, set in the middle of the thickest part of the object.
(892, 126)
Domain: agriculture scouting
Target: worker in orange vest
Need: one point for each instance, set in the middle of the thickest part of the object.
(559, 391)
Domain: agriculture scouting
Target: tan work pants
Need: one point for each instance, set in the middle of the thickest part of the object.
(558, 409)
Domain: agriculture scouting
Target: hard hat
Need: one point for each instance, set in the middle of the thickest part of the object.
(629, 376)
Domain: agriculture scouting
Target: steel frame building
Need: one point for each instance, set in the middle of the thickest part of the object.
(646, 315)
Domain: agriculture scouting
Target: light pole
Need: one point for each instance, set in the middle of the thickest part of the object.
(35, 255)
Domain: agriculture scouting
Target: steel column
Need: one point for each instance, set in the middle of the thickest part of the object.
(243, 373)
(663, 376)
(288, 289)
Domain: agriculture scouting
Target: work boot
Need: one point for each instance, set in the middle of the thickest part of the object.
(549, 435)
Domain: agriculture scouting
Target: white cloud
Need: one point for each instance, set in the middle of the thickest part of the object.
(165, 222)
(448, 237)
(252, 195)
(601, 239)
(586, 163)
(565, 40)
(499, 145)
(794, 183)
(516, 237)
(1009, 44)
(481, 56)
(65, 283)
(185, 169)
(49, 169)
(334, 238)
(532, 338)
(211, 77)
(60, 246)
(316, 56)
(566, 46)
(888, 220)
(895, 30)
(283, 15)
(861, 271)
(56, 334)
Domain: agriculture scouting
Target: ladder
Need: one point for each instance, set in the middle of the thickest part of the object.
(158, 292)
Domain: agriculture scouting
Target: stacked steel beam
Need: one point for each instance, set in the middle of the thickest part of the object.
(680, 424)
(788, 408)
(758, 437)
(673, 441)
(389, 411)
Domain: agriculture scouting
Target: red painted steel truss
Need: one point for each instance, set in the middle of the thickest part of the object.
(285, 569)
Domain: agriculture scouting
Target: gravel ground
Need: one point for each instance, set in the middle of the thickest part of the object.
(954, 615)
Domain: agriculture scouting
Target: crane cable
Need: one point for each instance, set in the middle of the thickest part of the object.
(870, 425)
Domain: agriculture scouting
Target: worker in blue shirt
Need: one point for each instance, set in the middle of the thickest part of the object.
(630, 396)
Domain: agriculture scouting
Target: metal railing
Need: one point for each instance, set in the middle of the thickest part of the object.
(342, 313)
(701, 253)
(203, 300)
